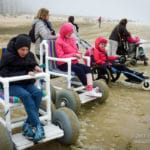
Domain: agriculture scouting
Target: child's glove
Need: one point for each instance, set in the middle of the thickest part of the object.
(121, 59)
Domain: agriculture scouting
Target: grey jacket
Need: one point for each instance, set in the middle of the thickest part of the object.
(42, 32)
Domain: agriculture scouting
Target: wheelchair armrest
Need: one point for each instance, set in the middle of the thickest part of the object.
(61, 59)
(3, 80)
(88, 59)
(6, 80)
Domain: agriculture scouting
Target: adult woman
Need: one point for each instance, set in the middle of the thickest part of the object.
(16, 61)
(43, 29)
(65, 48)
(118, 34)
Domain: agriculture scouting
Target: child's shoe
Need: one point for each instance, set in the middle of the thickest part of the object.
(39, 133)
(94, 92)
(28, 130)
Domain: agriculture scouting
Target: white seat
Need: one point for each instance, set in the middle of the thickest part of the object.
(48, 47)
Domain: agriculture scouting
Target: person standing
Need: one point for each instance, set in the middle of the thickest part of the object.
(16, 61)
(43, 29)
(118, 34)
(75, 29)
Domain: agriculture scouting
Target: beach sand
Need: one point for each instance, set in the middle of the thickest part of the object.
(123, 122)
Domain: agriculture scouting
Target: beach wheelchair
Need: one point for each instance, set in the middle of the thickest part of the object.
(61, 124)
(132, 52)
(112, 72)
(74, 93)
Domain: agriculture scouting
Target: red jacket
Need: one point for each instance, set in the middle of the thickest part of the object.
(66, 47)
(100, 56)
(131, 39)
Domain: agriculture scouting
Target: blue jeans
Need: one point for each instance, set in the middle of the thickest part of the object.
(31, 97)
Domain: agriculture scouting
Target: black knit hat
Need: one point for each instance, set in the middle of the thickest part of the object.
(22, 40)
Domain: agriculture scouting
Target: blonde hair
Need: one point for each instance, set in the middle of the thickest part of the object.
(42, 13)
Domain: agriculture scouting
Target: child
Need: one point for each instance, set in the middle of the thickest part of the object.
(16, 61)
(66, 48)
(104, 61)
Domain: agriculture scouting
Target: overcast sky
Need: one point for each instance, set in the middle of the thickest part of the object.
(132, 9)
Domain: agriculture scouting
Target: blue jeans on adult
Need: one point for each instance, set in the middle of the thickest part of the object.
(31, 97)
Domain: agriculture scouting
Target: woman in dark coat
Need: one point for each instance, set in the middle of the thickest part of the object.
(118, 34)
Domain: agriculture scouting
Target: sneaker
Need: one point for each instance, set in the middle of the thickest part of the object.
(39, 133)
(28, 130)
(94, 93)
(139, 73)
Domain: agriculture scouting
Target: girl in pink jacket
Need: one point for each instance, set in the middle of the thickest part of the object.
(65, 48)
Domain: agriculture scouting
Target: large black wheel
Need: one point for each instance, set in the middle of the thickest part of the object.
(146, 85)
(103, 87)
(99, 73)
(115, 76)
(68, 98)
(5, 139)
(107, 76)
(67, 120)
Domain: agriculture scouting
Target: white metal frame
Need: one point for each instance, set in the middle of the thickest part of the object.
(7, 105)
(68, 74)
(51, 131)
(44, 48)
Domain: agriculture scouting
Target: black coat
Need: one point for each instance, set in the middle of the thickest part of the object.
(119, 32)
(12, 64)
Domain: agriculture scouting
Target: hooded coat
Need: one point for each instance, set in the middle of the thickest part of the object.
(43, 31)
(66, 47)
(12, 64)
(100, 55)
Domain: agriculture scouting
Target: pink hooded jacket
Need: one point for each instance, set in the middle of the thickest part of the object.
(100, 56)
(66, 47)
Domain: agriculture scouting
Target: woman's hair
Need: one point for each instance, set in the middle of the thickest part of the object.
(123, 21)
(71, 19)
(42, 13)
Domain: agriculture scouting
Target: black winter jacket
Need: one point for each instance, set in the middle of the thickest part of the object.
(119, 32)
(11, 64)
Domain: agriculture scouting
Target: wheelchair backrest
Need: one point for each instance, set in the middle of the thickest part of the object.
(2, 50)
(52, 53)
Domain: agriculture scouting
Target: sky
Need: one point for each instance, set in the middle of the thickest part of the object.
(138, 10)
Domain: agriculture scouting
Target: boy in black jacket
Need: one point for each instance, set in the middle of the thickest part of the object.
(16, 61)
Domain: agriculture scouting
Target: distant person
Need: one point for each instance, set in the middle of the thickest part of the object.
(75, 34)
(71, 19)
(118, 34)
(43, 29)
(100, 21)
(16, 61)
(66, 48)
